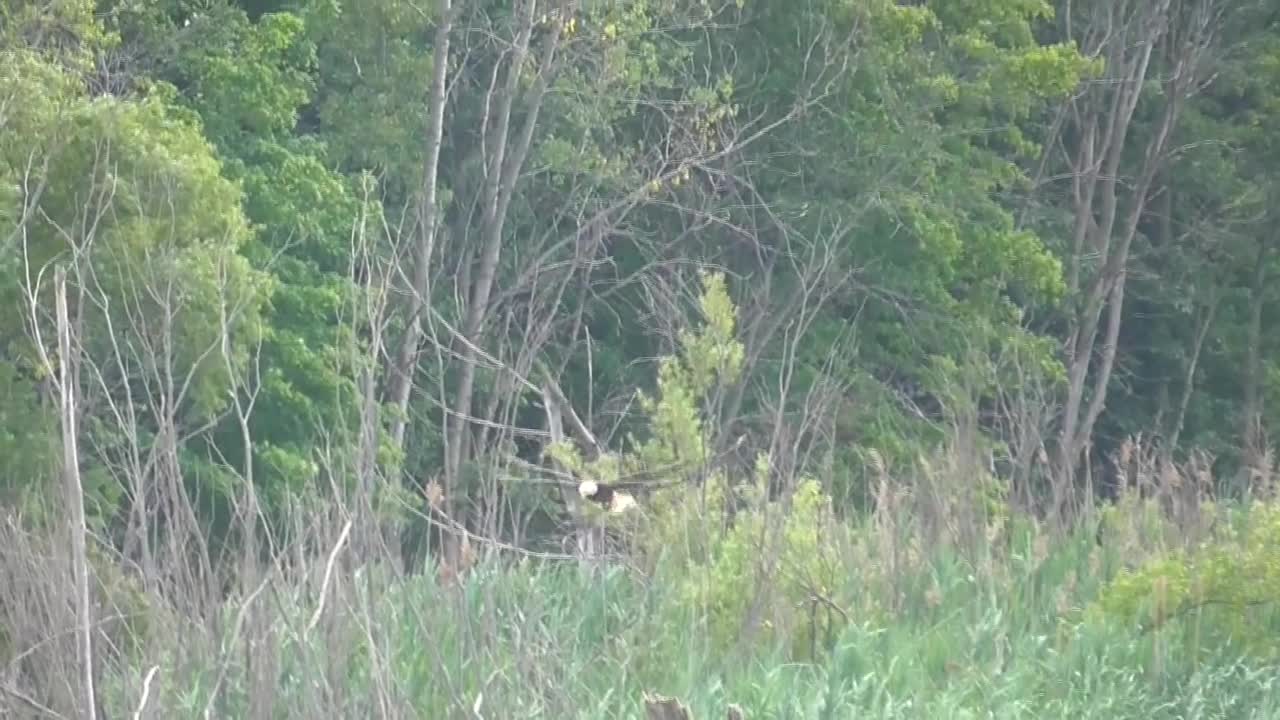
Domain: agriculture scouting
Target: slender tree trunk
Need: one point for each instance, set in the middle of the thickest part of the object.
(587, 539)
(1189, 381)
(1252, 400)
(74, 494)
(503, 168)
(1125, 34)
(401, 381)
(1104, 118)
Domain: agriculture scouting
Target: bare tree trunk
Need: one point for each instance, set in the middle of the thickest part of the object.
(1189, 381)
(1104, 120)
(1252, 410)
(370, 317)
(502, 172)
(582, 534)
(1124, 34)
(74, 496)
(401, 381)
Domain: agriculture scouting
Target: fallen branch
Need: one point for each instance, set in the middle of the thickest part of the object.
(146, 692)
(328, 575)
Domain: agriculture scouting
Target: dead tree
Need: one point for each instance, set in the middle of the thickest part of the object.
(74, 494)
(1113, 171)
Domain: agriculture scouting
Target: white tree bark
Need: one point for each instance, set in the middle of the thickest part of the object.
(74, 495)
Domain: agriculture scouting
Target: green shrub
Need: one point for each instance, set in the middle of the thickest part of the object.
(773, 576)
(1230, 586)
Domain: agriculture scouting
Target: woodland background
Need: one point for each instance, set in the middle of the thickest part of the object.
(937, 342)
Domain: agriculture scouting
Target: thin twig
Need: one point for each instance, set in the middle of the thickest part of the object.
(35, 705)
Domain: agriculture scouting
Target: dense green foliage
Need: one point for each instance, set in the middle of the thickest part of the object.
(868, 302)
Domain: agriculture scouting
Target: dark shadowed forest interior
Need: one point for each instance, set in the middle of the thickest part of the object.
(497, 359)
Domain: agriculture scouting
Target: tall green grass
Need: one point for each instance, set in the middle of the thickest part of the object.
(997, 633)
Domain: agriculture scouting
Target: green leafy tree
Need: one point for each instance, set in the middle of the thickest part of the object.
(130, 194)
(248, 80)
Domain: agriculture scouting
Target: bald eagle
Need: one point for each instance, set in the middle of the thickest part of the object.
(606, 496)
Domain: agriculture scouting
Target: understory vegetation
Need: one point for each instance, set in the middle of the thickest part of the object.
(932, 346)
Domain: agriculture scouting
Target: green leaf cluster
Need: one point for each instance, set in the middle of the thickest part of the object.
(1229, 584)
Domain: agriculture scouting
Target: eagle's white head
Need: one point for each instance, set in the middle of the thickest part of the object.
(588, 489)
